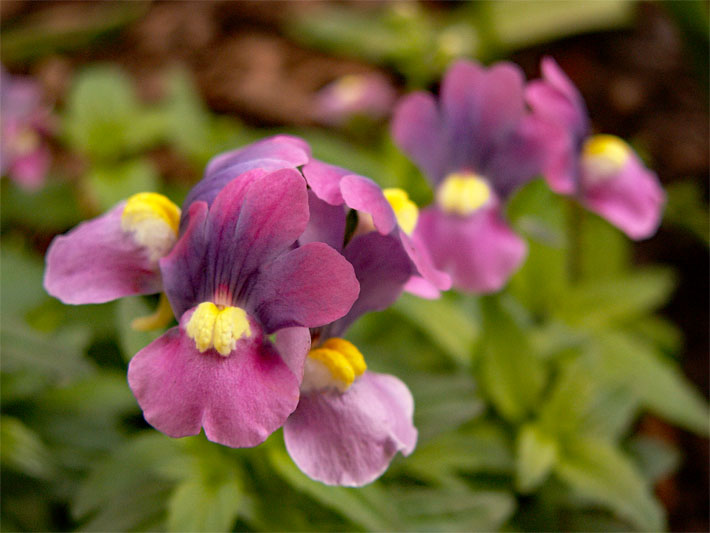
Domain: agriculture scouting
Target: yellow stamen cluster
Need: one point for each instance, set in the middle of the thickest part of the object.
(335, 363)
(212, 327)
(404, 209)
(603, 156)
(463, 193)
(153, 221)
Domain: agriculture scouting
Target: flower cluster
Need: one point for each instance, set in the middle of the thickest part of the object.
(490, 133)
(275, 254)
(264, 276)
(24, 153)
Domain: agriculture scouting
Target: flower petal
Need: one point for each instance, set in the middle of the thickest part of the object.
(273, 153)
(350, 438)
(97, 262)
(324, 180)
(418, 251)
(325, 224)
(418, 131)
(310, 286)
(363, 194)
(479, 251)
(632, 200)
(239, 400)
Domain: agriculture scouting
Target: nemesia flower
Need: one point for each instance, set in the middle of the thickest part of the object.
(388, 212)
(350, 422)
(601, 171)
(24, 154)
(233, 278)
(370, 95)
(475, 146)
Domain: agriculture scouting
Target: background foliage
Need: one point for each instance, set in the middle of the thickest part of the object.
(533, 405)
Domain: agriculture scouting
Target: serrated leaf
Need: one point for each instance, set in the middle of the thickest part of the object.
(598, 303)
(510, 373)
(603, 475)
(23, 450)
(444, 322)
(346, 501)
(200, 505)
(658, 383)
(536, 456)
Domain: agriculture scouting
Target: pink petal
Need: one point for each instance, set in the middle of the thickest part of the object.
(239, 400)
(363, 194)
(479, 251)
(97, 262)
(350, 438)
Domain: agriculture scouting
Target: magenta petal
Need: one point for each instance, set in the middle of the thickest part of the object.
(418, 131)
(293, 345)
(632, 200)
(29, 171)
(479, 251)
(350, 438)
(419, 253)
(326, 223)
(239, 400)
(325, 179)
(97, 262)
(363, 194)
(310, 286)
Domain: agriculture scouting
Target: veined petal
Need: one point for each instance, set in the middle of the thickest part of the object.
(310, 286)
(632, 199)
(98, 261)
(239, 400)
(479, 251)
(363, 194)
(350, 438)
(325, 224)
(324, 180)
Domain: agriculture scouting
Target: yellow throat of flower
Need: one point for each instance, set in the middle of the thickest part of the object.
(404, 209)
(463, 193)
(336, 363)
(153, 222)
(212, 327)
(603, 156)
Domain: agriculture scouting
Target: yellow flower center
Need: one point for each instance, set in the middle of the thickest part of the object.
(153, 222)
(462, 193)
(218, 328)
(336, 363)
(603, 156)
(405, 210)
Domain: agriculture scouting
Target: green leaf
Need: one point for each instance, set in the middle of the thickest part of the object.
(656, 458)
(204, 505)
(21, 274)
(444, 322)
(536, 456)
(349, 502)
(23, 450)
(511, 374)
(657, 382)
(601, 302)
(601, 474)
(100, 110)
(116, 182)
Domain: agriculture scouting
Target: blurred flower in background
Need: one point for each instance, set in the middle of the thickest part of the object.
(26, 123)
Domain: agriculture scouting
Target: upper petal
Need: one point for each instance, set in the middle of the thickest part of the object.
(310, 286)
(273, 153)
(350, 438)
(363, 194)
(479, 251)
(97, 262)
(239, 400)
(325, 224)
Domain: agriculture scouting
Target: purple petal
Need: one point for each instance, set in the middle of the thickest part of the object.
(273, 153)
(420, 287)
(247, 226)
(417, 129)
(310, 286)
(239, 400)
(349, 439)
(479, 251)
(556, 98)
(326, 223)
(293, 345)
(382, 268)
(365, 195)
(97, 262)
(632, 200)
(29, 171)
(418, 251)
(325, 179)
